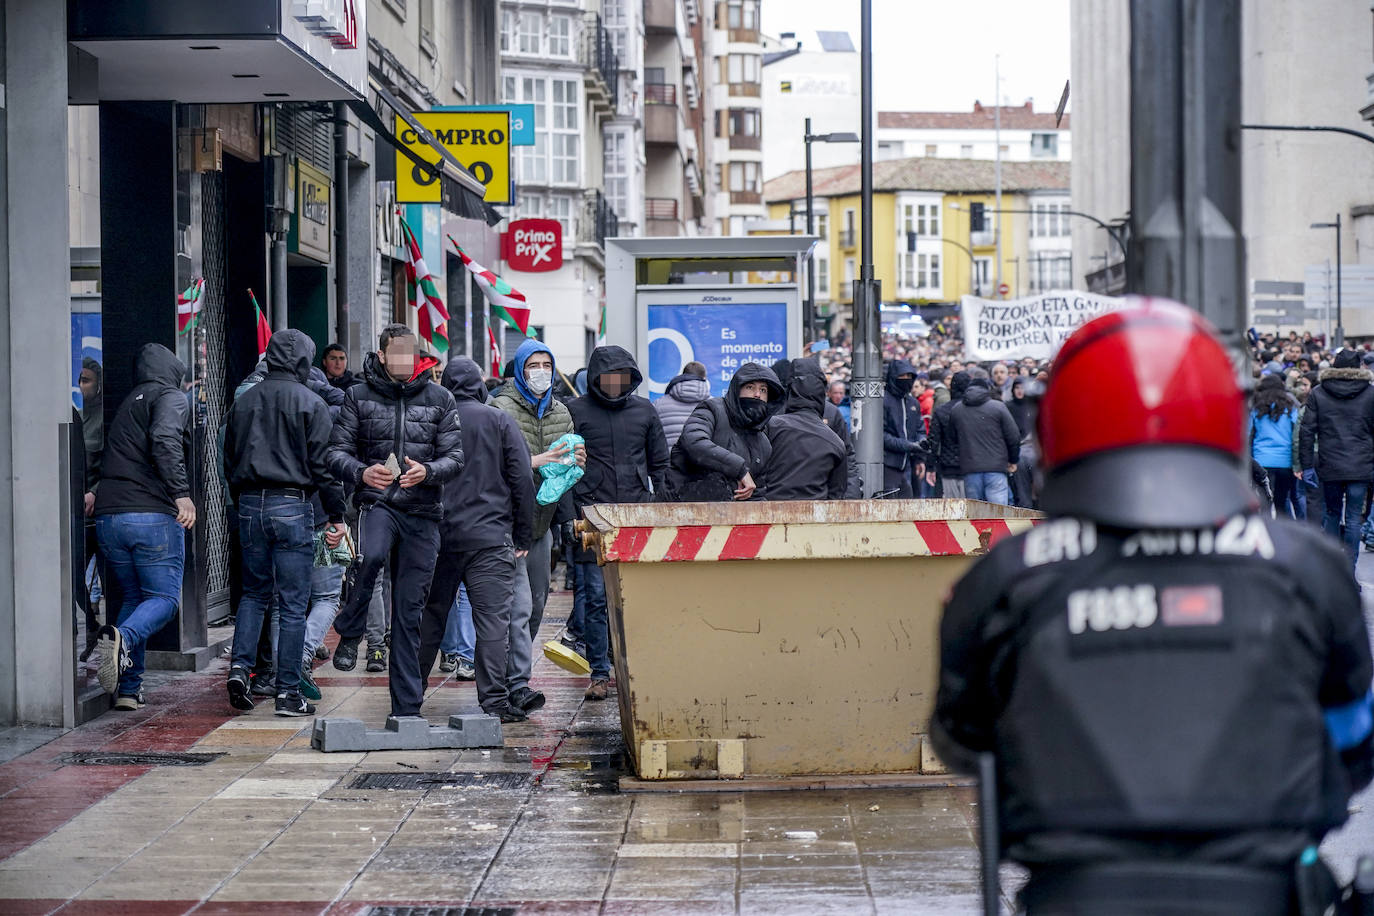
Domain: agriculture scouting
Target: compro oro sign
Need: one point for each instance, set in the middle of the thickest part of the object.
(533, 245)
(480, 140)
(1034, 327)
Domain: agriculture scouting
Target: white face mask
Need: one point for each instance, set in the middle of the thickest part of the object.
(539, 380)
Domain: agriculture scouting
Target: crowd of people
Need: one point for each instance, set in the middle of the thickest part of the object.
(398, 505)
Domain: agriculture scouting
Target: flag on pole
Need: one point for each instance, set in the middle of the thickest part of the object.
(264, 327)
(423, 294)
(495, 353)
(507, 301)
(601, 331)
(188, 305)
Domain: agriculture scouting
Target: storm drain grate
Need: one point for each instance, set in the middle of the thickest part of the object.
(442, 911)
(423, 780)
(117, 759)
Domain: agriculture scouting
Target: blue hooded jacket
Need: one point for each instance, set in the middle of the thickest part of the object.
(528, 349)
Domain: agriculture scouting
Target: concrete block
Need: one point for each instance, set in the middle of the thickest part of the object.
(411, 733)
(931, 764)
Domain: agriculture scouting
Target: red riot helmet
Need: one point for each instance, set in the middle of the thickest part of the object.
(1142, 422)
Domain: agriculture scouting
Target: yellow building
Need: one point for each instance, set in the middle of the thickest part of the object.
(924, 247)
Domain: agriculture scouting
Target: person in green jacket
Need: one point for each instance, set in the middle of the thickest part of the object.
(528, 398)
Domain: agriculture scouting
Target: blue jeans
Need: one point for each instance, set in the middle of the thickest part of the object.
(1353, 492)
(277, 533)
(989, 486)
(460, 638)
(576, 619)
(591, 586)
(325, 582)
(145, 552)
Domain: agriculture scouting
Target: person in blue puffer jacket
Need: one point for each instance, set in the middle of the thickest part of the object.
(1274, 439)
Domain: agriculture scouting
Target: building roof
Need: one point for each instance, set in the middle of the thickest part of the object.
(922, 173)
(1014, 117)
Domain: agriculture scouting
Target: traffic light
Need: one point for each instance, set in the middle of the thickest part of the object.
(976, 219)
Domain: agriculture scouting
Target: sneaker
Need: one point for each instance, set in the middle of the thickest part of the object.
(293, 705)
(574, 643)
(599, 689)
(376, 659)
(449, 662)
(465, 671)
(507, 714)
(264, 685)
(322, 652)
(114, 657)
(239, 694)
(129, 702)
(346, 655)
(309, 689)
(526, 700)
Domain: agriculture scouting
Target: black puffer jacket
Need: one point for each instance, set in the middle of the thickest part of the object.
(627, 457)
(808, 460)
(415, 419)
(1338, 425)
(149, 440)
(718, 445)
(277, 432)
(944, 444)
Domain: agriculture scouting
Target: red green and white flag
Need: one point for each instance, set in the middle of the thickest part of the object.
(506, 301)
(495, 353)
(601, 331)
(188, 305)
(264, 326)
(423, 294)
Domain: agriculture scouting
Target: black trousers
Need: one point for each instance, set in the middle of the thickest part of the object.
(489, 574)
(899, 481)
(408, 546)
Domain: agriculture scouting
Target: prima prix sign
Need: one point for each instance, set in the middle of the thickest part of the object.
(533, 245)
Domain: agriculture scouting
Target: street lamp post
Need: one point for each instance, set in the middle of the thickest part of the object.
(809, 318)
(866, 398)
(1340, 328)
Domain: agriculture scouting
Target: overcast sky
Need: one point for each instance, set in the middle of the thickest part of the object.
(938, 55)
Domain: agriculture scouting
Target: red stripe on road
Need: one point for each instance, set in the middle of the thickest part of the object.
(939, 537)
(629, 544)
(688, 541)
(744, 542)
(992, 526)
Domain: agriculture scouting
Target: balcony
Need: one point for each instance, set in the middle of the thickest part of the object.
(750, 90)
(740, 141)
(847, 238)
(660, 93)
(661, 217)
(744, 36)
(601, 73)
(598, 221)
(985, 239)
(746, 197)
(661, 123)
(660, 16)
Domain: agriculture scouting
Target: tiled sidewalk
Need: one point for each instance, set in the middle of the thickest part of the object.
(273, 826)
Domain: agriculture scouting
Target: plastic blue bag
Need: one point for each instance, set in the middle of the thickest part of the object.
(560, 476)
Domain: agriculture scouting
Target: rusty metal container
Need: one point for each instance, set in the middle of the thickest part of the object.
(783, 639)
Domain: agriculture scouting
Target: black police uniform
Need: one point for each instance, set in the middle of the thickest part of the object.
(1185, 695)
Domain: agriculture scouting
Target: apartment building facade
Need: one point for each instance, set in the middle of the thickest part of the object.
(736, 88)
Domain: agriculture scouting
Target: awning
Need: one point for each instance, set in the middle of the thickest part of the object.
(461, 192)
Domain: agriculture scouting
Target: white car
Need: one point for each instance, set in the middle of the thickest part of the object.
(892, 315)
(915, 326)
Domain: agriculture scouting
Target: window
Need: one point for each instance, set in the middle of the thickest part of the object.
(931, 149)
(1044, 146)
(560, 36)
(928, 271)
(1049, 220)
(982, 271)
(848, 272)
(744, 176)
(531, 27)
(822, 222)
(561, 209)
(744, 122)
(533, 160)
(529, 206)
(966, 151)
(566, 139)
(823, 278)
(742, 14)
(508, 31)
(922, 219)
(742, 68)
(617, 165)
(908, 280)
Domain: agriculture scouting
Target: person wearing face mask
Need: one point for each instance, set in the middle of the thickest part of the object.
(528, 399)
(809, 461)
(396, 441)
(627, 461)
(903, 431)
(723, 448)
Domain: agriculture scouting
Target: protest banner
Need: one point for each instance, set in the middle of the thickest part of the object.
(1035, 326)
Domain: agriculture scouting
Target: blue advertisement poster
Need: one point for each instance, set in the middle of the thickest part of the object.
(721, 337)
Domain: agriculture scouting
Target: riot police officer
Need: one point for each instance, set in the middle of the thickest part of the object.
(1176, 688)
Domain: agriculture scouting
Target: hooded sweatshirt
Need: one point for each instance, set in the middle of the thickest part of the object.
(540, 429)
(627, 457)
(144, 464)
(944, 445)
(809, 461)
(277, 432)
(720, 444)
(988, 438)
(93, 422)
(684, 393)
(1337, 433)
(490, 503)
(903, 428)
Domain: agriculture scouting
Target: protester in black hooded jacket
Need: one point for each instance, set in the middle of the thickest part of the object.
(808, 460)
(627, 462)
(723, 449)
(903, 430)
(395, 412)
(488, 521)
(944, 444)
(834, 419)
(989, 442)
(1337, 438)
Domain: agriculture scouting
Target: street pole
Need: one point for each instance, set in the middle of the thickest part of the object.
(866, 396)
(1340, 325)
(809, 312)
(997, 130)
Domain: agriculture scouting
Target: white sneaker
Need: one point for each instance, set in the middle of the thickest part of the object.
(114, 658)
